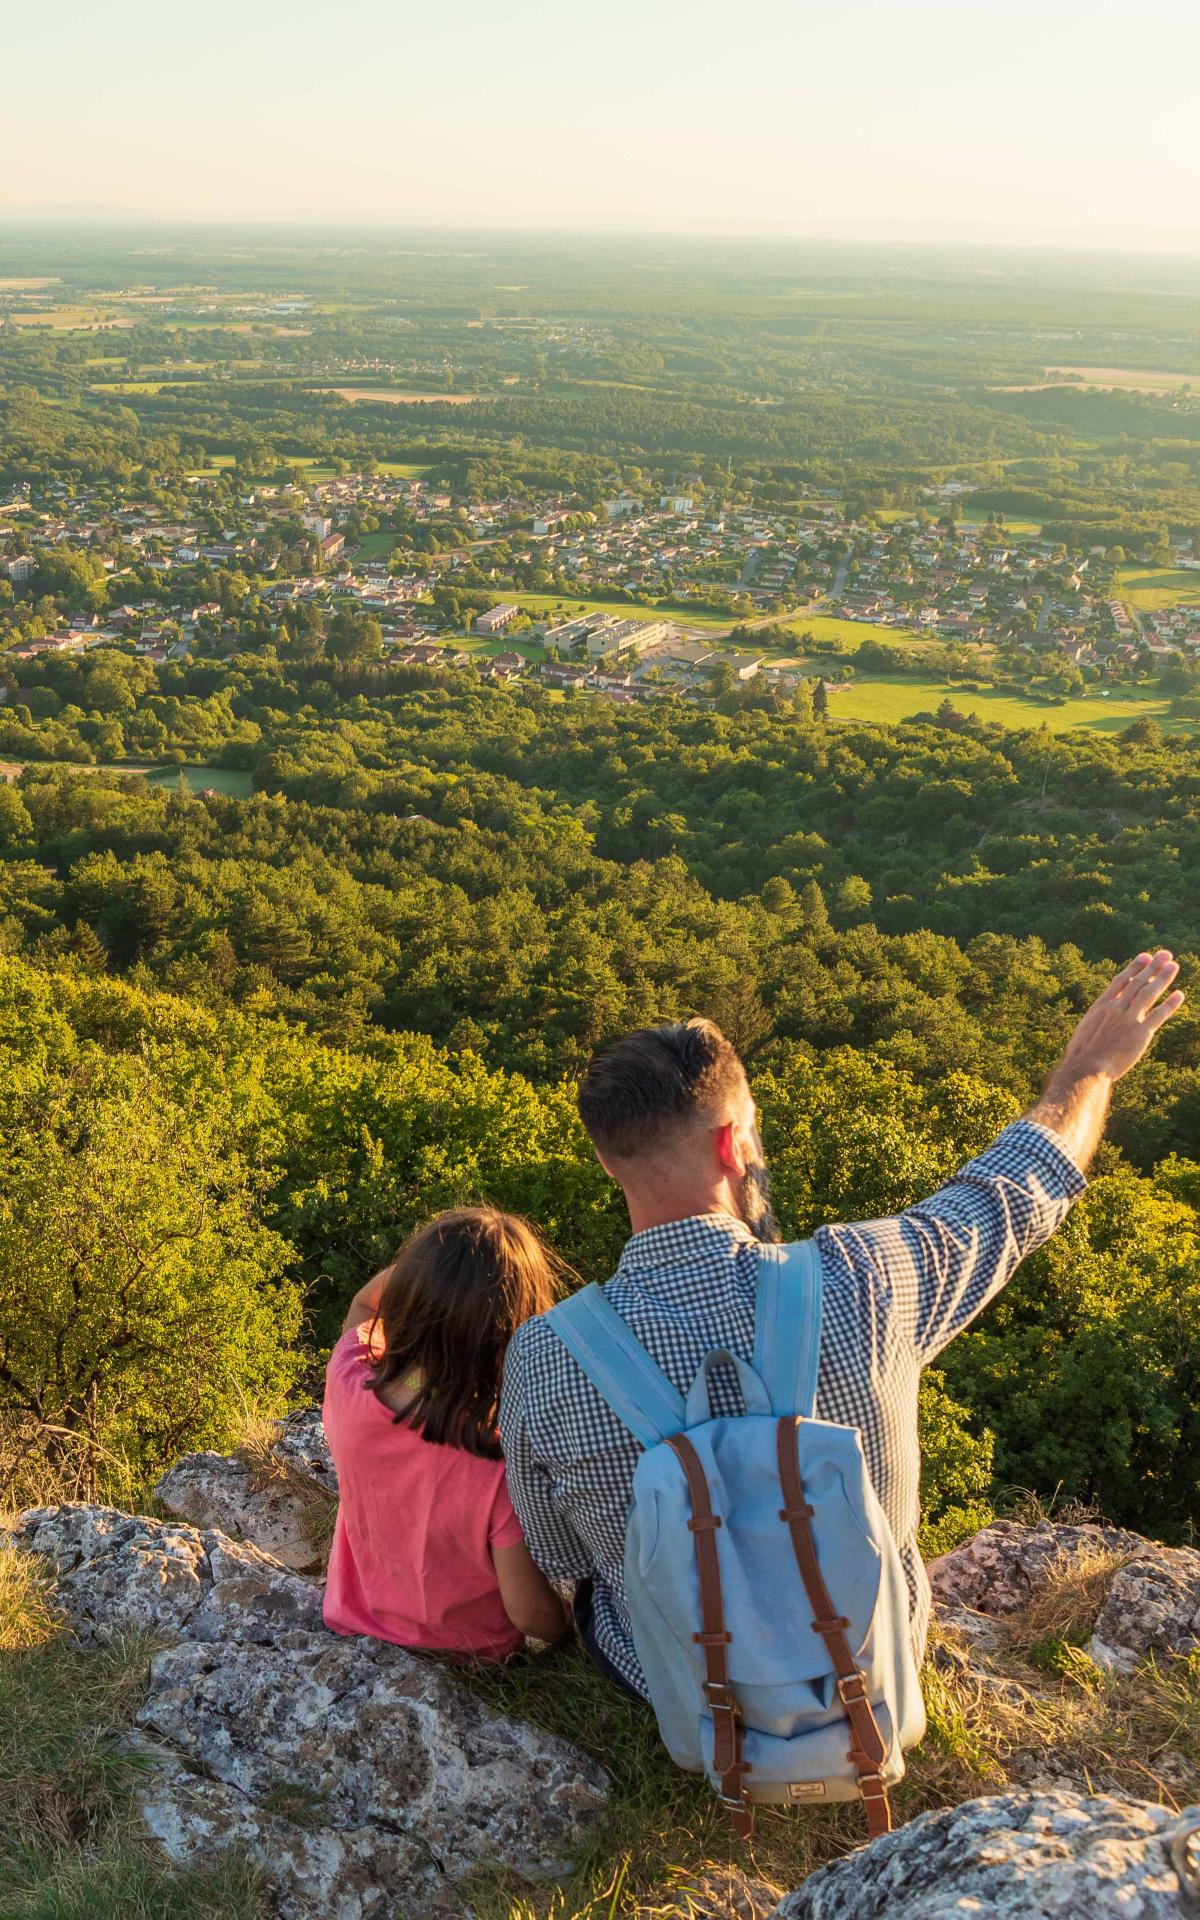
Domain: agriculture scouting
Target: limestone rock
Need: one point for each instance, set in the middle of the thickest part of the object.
(118, 1573)
(313, 1871)
(1001, 1569)
(360, 1777)
(365, 1738)
(273, 1501)
(210, 1490)
(1152, 1606)
(300, 1443)
(1035, 1856)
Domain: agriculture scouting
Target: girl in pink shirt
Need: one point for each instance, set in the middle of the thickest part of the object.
(427, 1551)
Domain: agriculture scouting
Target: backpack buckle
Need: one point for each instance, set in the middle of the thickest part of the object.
(851, 1687)
(720, 1698)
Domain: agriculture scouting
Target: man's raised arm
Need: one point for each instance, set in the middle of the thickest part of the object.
(1110, 1039)
(923, 1276)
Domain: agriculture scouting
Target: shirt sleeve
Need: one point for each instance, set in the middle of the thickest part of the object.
(551, 1539)
(504, 1529)
(929, 1271)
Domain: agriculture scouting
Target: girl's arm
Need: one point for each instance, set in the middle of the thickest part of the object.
(365, 1304)
(527, 1596)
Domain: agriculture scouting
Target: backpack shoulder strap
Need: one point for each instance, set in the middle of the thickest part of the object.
(787, 1326)
(618, 1366)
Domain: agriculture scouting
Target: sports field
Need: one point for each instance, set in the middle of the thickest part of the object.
(571, 606)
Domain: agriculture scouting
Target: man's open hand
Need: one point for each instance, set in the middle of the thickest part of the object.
(1117, 1030)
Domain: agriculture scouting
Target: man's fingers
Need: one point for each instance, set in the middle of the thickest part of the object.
(1127, 975)
(1146, 990)
(1158, 1016)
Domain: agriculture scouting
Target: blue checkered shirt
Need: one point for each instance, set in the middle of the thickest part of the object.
(895, 1293)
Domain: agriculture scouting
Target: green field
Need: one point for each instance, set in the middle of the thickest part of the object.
(402, 469)
(1152, 588)
(375, 546)
(892, 700)
(570, 606)
(231, 781)
(850, 635)
(1027, 529)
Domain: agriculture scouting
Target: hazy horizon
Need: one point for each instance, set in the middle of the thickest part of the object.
(876, 122)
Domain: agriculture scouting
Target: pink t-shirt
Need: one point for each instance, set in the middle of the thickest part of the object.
(412, 1550)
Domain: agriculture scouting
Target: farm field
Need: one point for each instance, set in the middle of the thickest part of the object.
(893, 700)
(1152, 588)
(1128, 379)
(1136, 379)
(393, 397)
(70, 319)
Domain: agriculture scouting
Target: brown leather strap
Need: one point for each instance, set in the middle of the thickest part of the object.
(728, 1763)
(867, 1750)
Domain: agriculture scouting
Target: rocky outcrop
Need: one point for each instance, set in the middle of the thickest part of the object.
(1149, 1599)
(1003, 1568)
(117, 1573)
(1152, 1606)
(279, 1496)
(360, 1777)
(1037, 1856)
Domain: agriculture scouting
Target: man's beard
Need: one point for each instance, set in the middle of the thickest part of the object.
(754, 1203)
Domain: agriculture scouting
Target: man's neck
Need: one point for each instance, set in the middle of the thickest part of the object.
(647, 1211)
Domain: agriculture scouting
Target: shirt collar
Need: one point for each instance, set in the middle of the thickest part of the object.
(680, 1243)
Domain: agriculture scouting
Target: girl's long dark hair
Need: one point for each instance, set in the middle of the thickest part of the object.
(452, 1299)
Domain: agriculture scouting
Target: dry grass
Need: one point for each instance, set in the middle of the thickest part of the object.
(43, 1465)
(1069, 1603)
(317, 1506)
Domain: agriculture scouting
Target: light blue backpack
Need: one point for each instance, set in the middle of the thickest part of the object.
(768, 1603)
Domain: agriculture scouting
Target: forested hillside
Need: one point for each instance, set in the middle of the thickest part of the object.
(249, 1043)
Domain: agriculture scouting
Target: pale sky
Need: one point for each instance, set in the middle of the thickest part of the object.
(1032, 119)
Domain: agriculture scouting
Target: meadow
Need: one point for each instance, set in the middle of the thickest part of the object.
(1152, 588)
(891, 700)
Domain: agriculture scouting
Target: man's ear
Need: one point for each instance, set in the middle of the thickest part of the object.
(729, 1148)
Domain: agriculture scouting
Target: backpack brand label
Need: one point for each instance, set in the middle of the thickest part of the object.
(806, 1790)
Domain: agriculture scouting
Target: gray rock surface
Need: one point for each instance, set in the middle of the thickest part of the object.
(1001, 1569)
(1152, 1606)
(364, 1782)
(121, 1573)
(1035, 1856)
(272, 1502)
(300, 1443)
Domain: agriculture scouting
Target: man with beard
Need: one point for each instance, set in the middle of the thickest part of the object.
(671, 1116)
